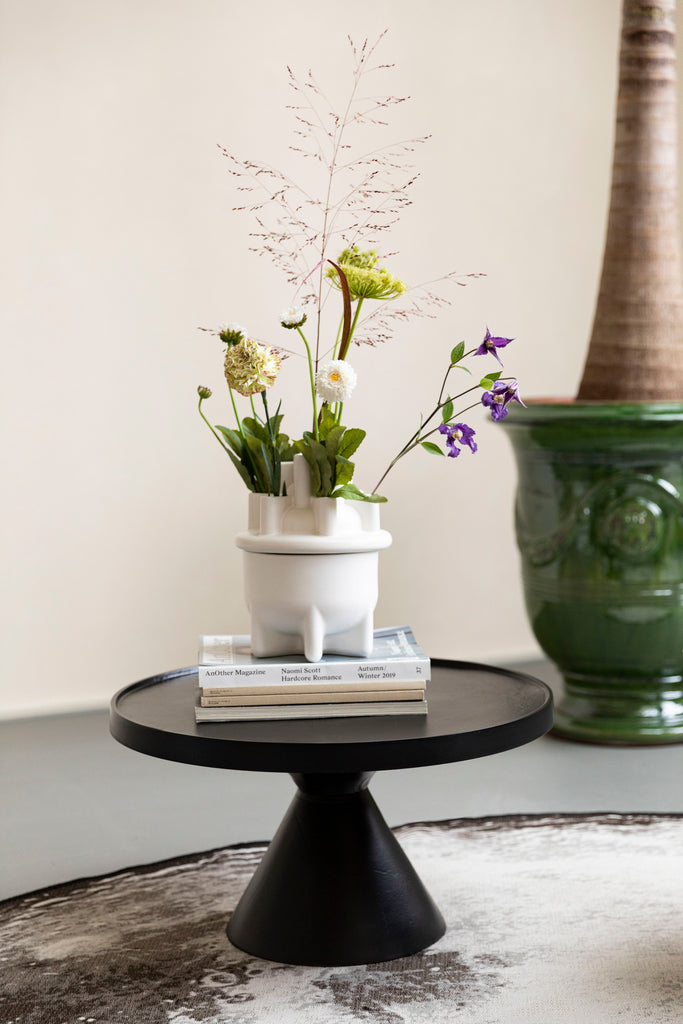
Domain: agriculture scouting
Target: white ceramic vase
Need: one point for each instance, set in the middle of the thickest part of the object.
(311, 570)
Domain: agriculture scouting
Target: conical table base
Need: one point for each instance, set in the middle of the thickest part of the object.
(334, 887)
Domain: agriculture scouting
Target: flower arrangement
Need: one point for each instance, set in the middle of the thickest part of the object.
(362, 197)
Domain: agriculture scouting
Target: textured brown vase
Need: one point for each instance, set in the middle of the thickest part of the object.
(636, 349)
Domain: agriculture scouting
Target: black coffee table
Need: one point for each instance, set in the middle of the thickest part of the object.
(334, 886)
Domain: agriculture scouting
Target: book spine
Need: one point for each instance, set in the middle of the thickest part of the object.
(305, 688)
(378, 674)
(256, 714)
(332, 697)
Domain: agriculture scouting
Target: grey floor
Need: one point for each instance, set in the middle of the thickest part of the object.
(75, 803)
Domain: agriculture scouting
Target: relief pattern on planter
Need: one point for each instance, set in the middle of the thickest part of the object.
(612, 562)
(631, 517)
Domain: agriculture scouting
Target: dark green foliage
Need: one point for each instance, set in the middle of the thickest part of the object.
(258, 452)
(328, 458)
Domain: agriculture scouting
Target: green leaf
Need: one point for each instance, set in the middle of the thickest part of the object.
(261, 464)
(458, 352)
(489, 380)
(275, 422)
(284, 448)
(447, 411)
(326, 476)
(353, 438)
(233, 437)
(432, 448)
(321, 466)
(343, 471)
(242, 470)
(327, 421)
(309, 455)
(255, 429)
(271, 464)
(333, 440)
(250, 467)
(353, 492)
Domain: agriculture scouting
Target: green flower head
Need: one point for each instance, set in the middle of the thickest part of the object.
(353, 257)
(232, 333)
(204, 392)
(365, 280)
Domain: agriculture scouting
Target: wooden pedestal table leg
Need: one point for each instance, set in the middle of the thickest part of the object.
(334, 887)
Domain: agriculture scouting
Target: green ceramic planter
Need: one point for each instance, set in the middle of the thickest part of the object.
(599, 520)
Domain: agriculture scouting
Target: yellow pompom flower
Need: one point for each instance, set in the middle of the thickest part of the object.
(250, 367)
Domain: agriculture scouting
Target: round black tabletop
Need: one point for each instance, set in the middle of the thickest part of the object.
(474, 710)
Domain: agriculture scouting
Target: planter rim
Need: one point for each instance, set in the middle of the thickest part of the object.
(312, 543)
(544, 410)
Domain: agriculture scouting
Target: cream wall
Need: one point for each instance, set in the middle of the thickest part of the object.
(119, 241)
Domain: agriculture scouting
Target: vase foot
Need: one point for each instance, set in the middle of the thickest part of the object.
(620, 711)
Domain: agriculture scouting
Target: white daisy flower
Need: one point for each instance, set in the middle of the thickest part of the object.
(293, 316)
(335, 381)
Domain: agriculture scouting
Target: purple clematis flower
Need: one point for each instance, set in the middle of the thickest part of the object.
(458, 433)
(490, 344)
(498, 398)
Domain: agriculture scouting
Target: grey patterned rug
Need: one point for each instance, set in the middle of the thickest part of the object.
(551, 920)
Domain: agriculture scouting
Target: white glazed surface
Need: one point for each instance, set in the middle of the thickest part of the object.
(311, 603)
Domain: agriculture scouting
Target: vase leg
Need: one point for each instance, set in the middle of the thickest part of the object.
(356, 642)
(334, 887)
(313, 628)
(267, 642)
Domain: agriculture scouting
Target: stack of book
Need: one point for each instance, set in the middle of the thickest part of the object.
(234, 686)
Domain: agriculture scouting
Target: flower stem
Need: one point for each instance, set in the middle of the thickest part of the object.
(311, 376)
(336, 340)
(418, 436)
(385, 474)
(342, 354)
(215, 434)
(451, 367)
(237, 415)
